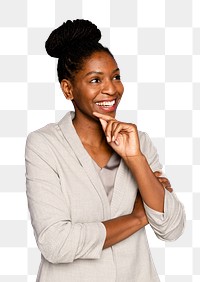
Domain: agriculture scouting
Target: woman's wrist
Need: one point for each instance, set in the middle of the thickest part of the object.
(134, 159)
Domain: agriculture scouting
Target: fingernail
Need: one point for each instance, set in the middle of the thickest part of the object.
(116, 142)
(108, 138)
(113, 138)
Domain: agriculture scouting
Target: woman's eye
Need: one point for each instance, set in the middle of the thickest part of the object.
(95, 80)
(117, 77)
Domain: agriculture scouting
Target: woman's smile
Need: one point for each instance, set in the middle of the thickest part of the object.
(107, 105)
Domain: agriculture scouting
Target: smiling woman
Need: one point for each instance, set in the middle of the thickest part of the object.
(96, 87)
(93, 182)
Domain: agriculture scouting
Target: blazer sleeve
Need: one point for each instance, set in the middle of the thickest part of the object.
(169, 225)
(59, 240)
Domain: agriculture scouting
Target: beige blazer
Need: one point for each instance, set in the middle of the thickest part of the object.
(67, 204)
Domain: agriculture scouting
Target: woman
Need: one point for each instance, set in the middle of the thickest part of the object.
(90, 183)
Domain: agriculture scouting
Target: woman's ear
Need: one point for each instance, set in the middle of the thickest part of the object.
(66, 87)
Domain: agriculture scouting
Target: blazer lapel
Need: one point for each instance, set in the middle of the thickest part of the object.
(84, 159)
(119, 188)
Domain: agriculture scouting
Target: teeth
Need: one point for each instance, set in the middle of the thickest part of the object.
(106, 103)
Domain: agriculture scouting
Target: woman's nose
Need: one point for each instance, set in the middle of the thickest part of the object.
(109, 88)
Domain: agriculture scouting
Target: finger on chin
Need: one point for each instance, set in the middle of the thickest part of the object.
(102, 116)
(103, 123)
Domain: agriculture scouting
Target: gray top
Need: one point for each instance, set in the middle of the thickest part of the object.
(108, 173)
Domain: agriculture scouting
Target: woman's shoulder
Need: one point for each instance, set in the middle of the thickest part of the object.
(50, 130)
(45, 131)
(40, 139)
(146, 143)
(143, 137)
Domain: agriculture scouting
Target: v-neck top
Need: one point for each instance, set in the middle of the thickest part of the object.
(108, 173)
(68, 205)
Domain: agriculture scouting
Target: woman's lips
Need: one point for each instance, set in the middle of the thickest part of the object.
(107, 106)
(106, 103)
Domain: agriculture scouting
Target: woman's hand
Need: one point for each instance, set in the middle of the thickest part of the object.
(121, 136)
(164, 181)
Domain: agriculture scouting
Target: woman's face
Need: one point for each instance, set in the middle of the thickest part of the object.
(97, 86)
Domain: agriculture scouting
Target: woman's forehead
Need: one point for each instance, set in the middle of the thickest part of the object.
(99, 60)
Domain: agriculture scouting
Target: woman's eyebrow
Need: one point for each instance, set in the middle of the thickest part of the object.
(99, 72)
(94, 72)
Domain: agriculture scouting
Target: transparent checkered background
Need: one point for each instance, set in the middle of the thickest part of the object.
(157, 46)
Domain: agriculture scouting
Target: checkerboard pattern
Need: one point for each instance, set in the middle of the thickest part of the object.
(157, 46)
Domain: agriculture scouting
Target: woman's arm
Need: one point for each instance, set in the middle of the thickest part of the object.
(120, 228)
(164, 211)
(59, 239)
(151, 189)
(124, 139)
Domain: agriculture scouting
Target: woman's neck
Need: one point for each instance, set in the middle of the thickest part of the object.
(89, 131)
(93, 139)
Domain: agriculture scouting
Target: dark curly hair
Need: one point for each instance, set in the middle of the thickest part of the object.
(72, 43)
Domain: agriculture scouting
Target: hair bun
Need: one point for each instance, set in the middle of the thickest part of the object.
(69, 34)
